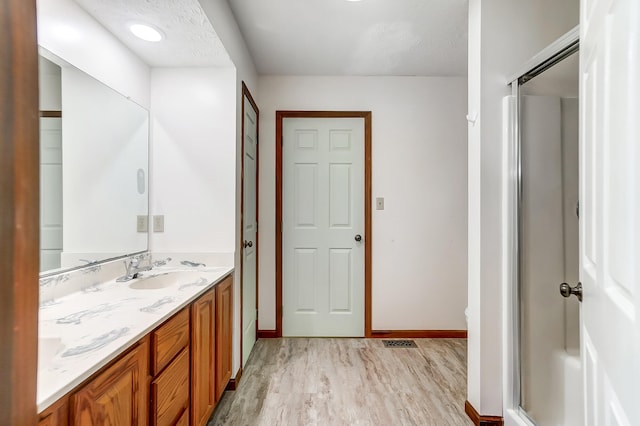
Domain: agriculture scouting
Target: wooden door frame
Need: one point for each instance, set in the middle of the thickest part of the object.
(19, 221)
(246, 93)
(280, 115)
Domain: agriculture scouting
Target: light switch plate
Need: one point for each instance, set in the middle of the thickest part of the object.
(380, 203)
(142, 223)
(158, 223)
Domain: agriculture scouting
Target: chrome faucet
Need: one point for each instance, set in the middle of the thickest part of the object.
(133, 269)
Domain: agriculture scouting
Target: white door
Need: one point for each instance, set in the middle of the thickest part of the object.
(50, 193)
(250, 228)
(610, 214)
(323, 227)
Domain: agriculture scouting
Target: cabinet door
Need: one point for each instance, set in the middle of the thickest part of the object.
(224, 334)
(203, 396)
(57, 414)
(118, 396)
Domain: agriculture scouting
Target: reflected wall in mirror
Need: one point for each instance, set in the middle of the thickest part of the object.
(94, 168)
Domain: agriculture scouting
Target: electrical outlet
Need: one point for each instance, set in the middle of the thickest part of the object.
(380, 203)
(158, 223)
(142, 223)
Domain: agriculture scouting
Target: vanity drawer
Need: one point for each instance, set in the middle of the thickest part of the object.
(168, 340)
(170, 392)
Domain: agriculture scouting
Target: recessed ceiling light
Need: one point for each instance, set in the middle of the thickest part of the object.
(146, 32)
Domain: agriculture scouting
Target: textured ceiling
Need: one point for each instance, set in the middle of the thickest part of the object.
(370, 37)
(190, 40)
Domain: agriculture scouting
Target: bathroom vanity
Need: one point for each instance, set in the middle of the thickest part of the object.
(155, 349)
(167, 361)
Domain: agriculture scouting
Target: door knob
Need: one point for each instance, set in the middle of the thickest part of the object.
(566, 290)
(250, 243)
(247, 244)
(358, 238)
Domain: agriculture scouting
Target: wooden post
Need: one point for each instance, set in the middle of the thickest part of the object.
(19, 212)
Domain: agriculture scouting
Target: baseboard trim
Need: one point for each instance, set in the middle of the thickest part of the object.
(235, 381)
(419, 334)
(267, 334)
(392, 334)
(479, 420)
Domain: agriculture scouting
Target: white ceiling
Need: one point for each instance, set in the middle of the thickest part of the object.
(190, 40)
(302, 37)
(369, 37)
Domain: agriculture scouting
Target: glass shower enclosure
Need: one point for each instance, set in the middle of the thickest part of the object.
(544, 212)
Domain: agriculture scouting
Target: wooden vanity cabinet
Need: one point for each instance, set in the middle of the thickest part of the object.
(118, 395)
(175, 375)
(212, 350)
(203, 338)
(224, 334)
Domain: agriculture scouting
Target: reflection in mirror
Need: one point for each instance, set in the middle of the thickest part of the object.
(94, 168)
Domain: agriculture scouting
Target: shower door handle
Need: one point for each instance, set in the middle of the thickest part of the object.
(566, 290)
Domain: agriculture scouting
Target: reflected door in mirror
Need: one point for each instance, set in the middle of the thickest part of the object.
(51, 192)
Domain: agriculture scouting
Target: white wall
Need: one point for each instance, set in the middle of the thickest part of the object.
(193, 158)
(50, 85)
(502, 35)
(419, 166)
(69, 32)
(224, 23)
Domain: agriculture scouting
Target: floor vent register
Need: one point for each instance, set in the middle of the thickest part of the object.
(399, 344)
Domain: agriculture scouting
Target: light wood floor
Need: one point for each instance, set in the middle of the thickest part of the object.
(300, 381)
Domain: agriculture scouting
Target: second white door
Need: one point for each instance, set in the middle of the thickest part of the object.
(249, 228)
(323, 227)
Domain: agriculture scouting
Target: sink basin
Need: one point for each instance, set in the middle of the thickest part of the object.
(48, 347)
(166, 279)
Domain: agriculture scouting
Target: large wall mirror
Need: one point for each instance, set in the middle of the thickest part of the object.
(94, 162)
